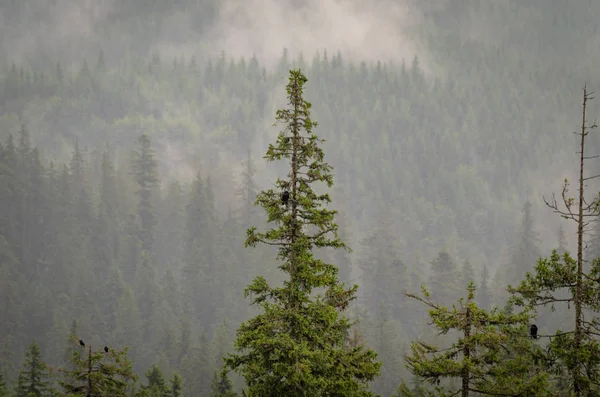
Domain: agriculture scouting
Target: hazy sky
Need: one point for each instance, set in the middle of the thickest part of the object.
(367, 31)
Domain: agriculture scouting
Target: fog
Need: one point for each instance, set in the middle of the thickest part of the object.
(443, 122)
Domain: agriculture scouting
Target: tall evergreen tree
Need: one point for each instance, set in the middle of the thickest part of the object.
(221, 385)
(444, 281)
(382, 268)
(526, 252)
(484, 296)
(156, 385)
(575, 351)
(3, 386)
(295, 347)
(146, 177)
(176, 386)
(247, 191)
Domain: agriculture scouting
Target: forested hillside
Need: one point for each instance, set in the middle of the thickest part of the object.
(128, 175)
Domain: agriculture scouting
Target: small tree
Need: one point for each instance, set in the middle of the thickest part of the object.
(156, 386)
(3, 387)
(98, 374)
(493, 356)
(176, 386)
(562, 279)
(221, 385)
(296, 346)
(35, 376)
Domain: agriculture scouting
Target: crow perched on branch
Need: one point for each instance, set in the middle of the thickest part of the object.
(105, 349)
(285, 197)
(81, 343)
(533, 331)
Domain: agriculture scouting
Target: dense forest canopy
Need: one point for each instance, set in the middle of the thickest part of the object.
(132, 141)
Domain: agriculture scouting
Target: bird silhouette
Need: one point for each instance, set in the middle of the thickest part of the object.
(533, 329)
(81, 343)
(285, 197)
(105, 349)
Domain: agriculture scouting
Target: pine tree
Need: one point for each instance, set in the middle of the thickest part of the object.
(3, 387)
(563, 279)
(295, 347)
(484, 296)
(156, 385)
(247, 191)
(35, 376)
(382, 267)
(146, 177)
(493, 355)
(97, 373)
(526, 252)
(221, 385)
(444, 280)
(175, 385)
(563, 245)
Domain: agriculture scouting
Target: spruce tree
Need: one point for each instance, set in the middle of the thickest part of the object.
(146, 176)
(156, 386)
(526, 251)
(97, 373)
(493, 355)
(221, 386)
(175, 385)
(560, 279)
(35, 376)
(3, 387)
(296, 346)
(563, 245)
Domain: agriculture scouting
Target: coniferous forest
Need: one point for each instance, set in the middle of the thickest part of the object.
(191, 220)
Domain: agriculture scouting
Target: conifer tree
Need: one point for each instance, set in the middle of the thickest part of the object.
(526, 252)
(443, 281)
(493, 356)
(296, 346)
(563, 245)
(247, 191)
(156, 386)
(35, 376)
(3, 387)
(175, 385)
(484, 296)
(575, 351)
(97, 373)
(146, 177)
(221, 385)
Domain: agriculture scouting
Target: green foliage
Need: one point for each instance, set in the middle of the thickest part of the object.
(553, 281)
(454, 165)
(97, 373)
(35, 377)
(493, 355)
(176, 386)
(295, 347)
(156, 385)
(221, 385)
(3, 386)
(145, 174)
(572, 355)
(526, 252)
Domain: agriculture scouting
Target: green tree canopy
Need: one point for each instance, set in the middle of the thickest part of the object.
(296, 346)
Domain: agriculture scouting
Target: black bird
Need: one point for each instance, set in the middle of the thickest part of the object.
(533, 331)
(285, 197)
(105, 349)
(81, 343)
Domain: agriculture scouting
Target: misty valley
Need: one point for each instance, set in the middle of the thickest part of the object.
(312, 199)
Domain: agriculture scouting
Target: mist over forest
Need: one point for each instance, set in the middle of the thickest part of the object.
(133, 137)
